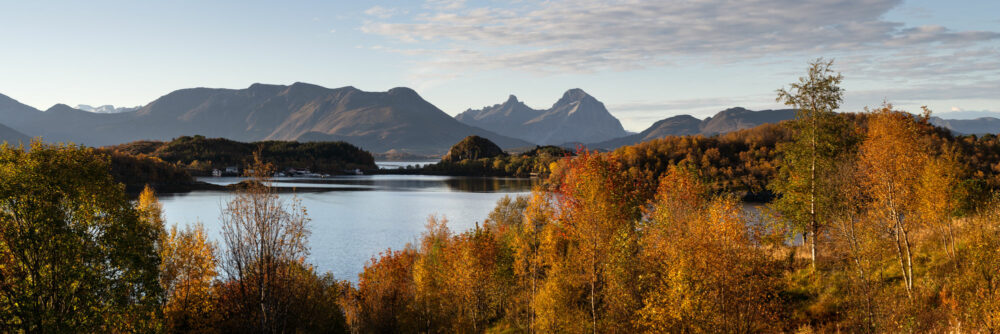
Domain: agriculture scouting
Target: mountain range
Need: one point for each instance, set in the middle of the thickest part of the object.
(376, 121)
(728, 120)
(105, 109)
(397, 122)
(978, 126)
(576, 117)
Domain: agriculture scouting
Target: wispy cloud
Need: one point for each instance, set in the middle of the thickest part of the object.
(584, 36)
(384, 12)
(930, 92)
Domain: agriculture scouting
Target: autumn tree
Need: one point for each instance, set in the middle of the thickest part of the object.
(704, 270)
(594, 245)
(857, 244)
(430, 275)
(977, 282)
(891, 161)
(74, 254)
(807, 162)
(384, 301)
(940, 194)
(187, 272)
(265, 238)
(526, 225)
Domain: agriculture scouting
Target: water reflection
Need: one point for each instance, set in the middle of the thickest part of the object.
(356, 217)
(393, 183)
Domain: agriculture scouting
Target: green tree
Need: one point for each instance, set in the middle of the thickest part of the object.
(807, 162)
(74, 254)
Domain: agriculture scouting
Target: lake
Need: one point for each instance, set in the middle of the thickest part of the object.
(355, 217)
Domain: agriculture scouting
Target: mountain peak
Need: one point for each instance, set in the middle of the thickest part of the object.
(576, 117)
(735, 110)
(572, 95)
(59, 107)
(304, 86)
(403, 91)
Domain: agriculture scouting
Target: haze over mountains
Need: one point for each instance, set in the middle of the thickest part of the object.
(397, 121)
(376, 121)
(728, 120)
(106, 109)
(978, 126)
(11, 136)
(576, 117)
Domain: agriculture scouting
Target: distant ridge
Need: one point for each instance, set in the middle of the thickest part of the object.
(978, 126)
(12, 137)
(105, 109)
(725, 121)
(397, 122)
(398, 119)
(576, 117)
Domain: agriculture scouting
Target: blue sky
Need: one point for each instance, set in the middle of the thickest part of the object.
(646, 60)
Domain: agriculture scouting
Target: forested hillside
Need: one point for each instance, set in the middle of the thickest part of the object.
(879, 225)
(201, 155)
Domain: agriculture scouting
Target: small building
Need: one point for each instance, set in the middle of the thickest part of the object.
(216, 173)
(232, 170)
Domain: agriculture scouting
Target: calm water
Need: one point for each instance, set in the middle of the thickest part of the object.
(403, 164)
(356, 217)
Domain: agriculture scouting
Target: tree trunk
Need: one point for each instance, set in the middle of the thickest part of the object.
(812, 191)
(899, 256)
(812, 244)
(593, 288)
(909, 257)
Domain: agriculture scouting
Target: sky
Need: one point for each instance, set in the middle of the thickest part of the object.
(646, 60)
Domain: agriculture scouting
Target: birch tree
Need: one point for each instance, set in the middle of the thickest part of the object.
(807, 162)
(263, 236)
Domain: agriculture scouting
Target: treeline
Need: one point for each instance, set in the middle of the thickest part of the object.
(534, 162)
(902, 248)
(77, 256)
(138, 171)
(746, 162)
(879, 224)
(741, 163)
(201, 155)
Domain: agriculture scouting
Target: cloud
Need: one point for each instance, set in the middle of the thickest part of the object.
(586, 36)
(929, 64)
(931, 92)
(672, 106)
(383, 12)
(445, 4)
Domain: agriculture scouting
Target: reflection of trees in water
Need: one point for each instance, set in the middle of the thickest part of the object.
(464, 184)
(489, 184)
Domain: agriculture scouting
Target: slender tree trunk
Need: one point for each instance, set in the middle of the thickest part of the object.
(812, 193)
(899, 256)
(593, 291)
(909, 257)
(531, 310)
(852, 237)
(951, 239)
